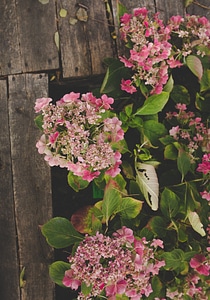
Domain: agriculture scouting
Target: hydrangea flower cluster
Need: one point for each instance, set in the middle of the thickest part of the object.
(192, 288)
(190, 130)
(204, 167)
(79, 136)
(120, 264)
(193, 133)
(156, 48)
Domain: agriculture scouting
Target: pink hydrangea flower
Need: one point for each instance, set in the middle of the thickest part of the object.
(41, 145)
(205, 195)
(41, 103)
(71, 97)
(108, 264)
(157, 243)
(125, 233)
(199, 263)
(204, 167)
(152, 45)
(174, 131)
(116, 288)
(77, 136)
(126, 85)
(125, 18)
(69, 281)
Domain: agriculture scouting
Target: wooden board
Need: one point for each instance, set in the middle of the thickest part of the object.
(10, 61)
(168, 8)
(201, 7)
(31, 184)
(37, 26)
(84, 44)
(27, 31)
(9, 264)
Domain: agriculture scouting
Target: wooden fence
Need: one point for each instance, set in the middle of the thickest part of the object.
(30, 63)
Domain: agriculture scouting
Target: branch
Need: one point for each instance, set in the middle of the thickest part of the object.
(201, 5)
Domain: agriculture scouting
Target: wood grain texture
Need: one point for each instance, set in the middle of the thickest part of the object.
(27, 31)
(168, 8)
(10, 61)
(200, 7)
(37, 26)
(84, 44)
(9, 264)
(31, 185)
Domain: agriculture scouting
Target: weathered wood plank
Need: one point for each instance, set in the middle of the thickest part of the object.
(37, 26)
(84, 44)
(169, 8)
(9, 39)
(9, 264)
(31, 183)
(131, 4)
(201, 8)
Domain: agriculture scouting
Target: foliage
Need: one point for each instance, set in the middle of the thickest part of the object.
(144, 143)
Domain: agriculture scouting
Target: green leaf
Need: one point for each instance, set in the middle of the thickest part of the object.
(72, 21)
(165, 140)
(205, 81)
(63, 13)
(180, 94)
(39, 121)
(82, 219)
(195, 66)
(57, 40)
(170, 152)
(44, 1)
(188, 2)
(159, 226)
(127, 170)
(129, 109)
(175, 260)
(153, 130)
(146, 233)
(196, 223)
(86, 289)
(76, 182)
(118, 182)
(111, 201)
(203, 102)
(57, 271)
(129, 208)
(147, 180)
(112, 80)
(169, 85)
(183, 162)
(82, 14)
(182, 235)
(153, 104)
(169, 203)
(60, 233)
(188, 255)
(121, 9)
(22, 278)
(157, 289)
(97, 192)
